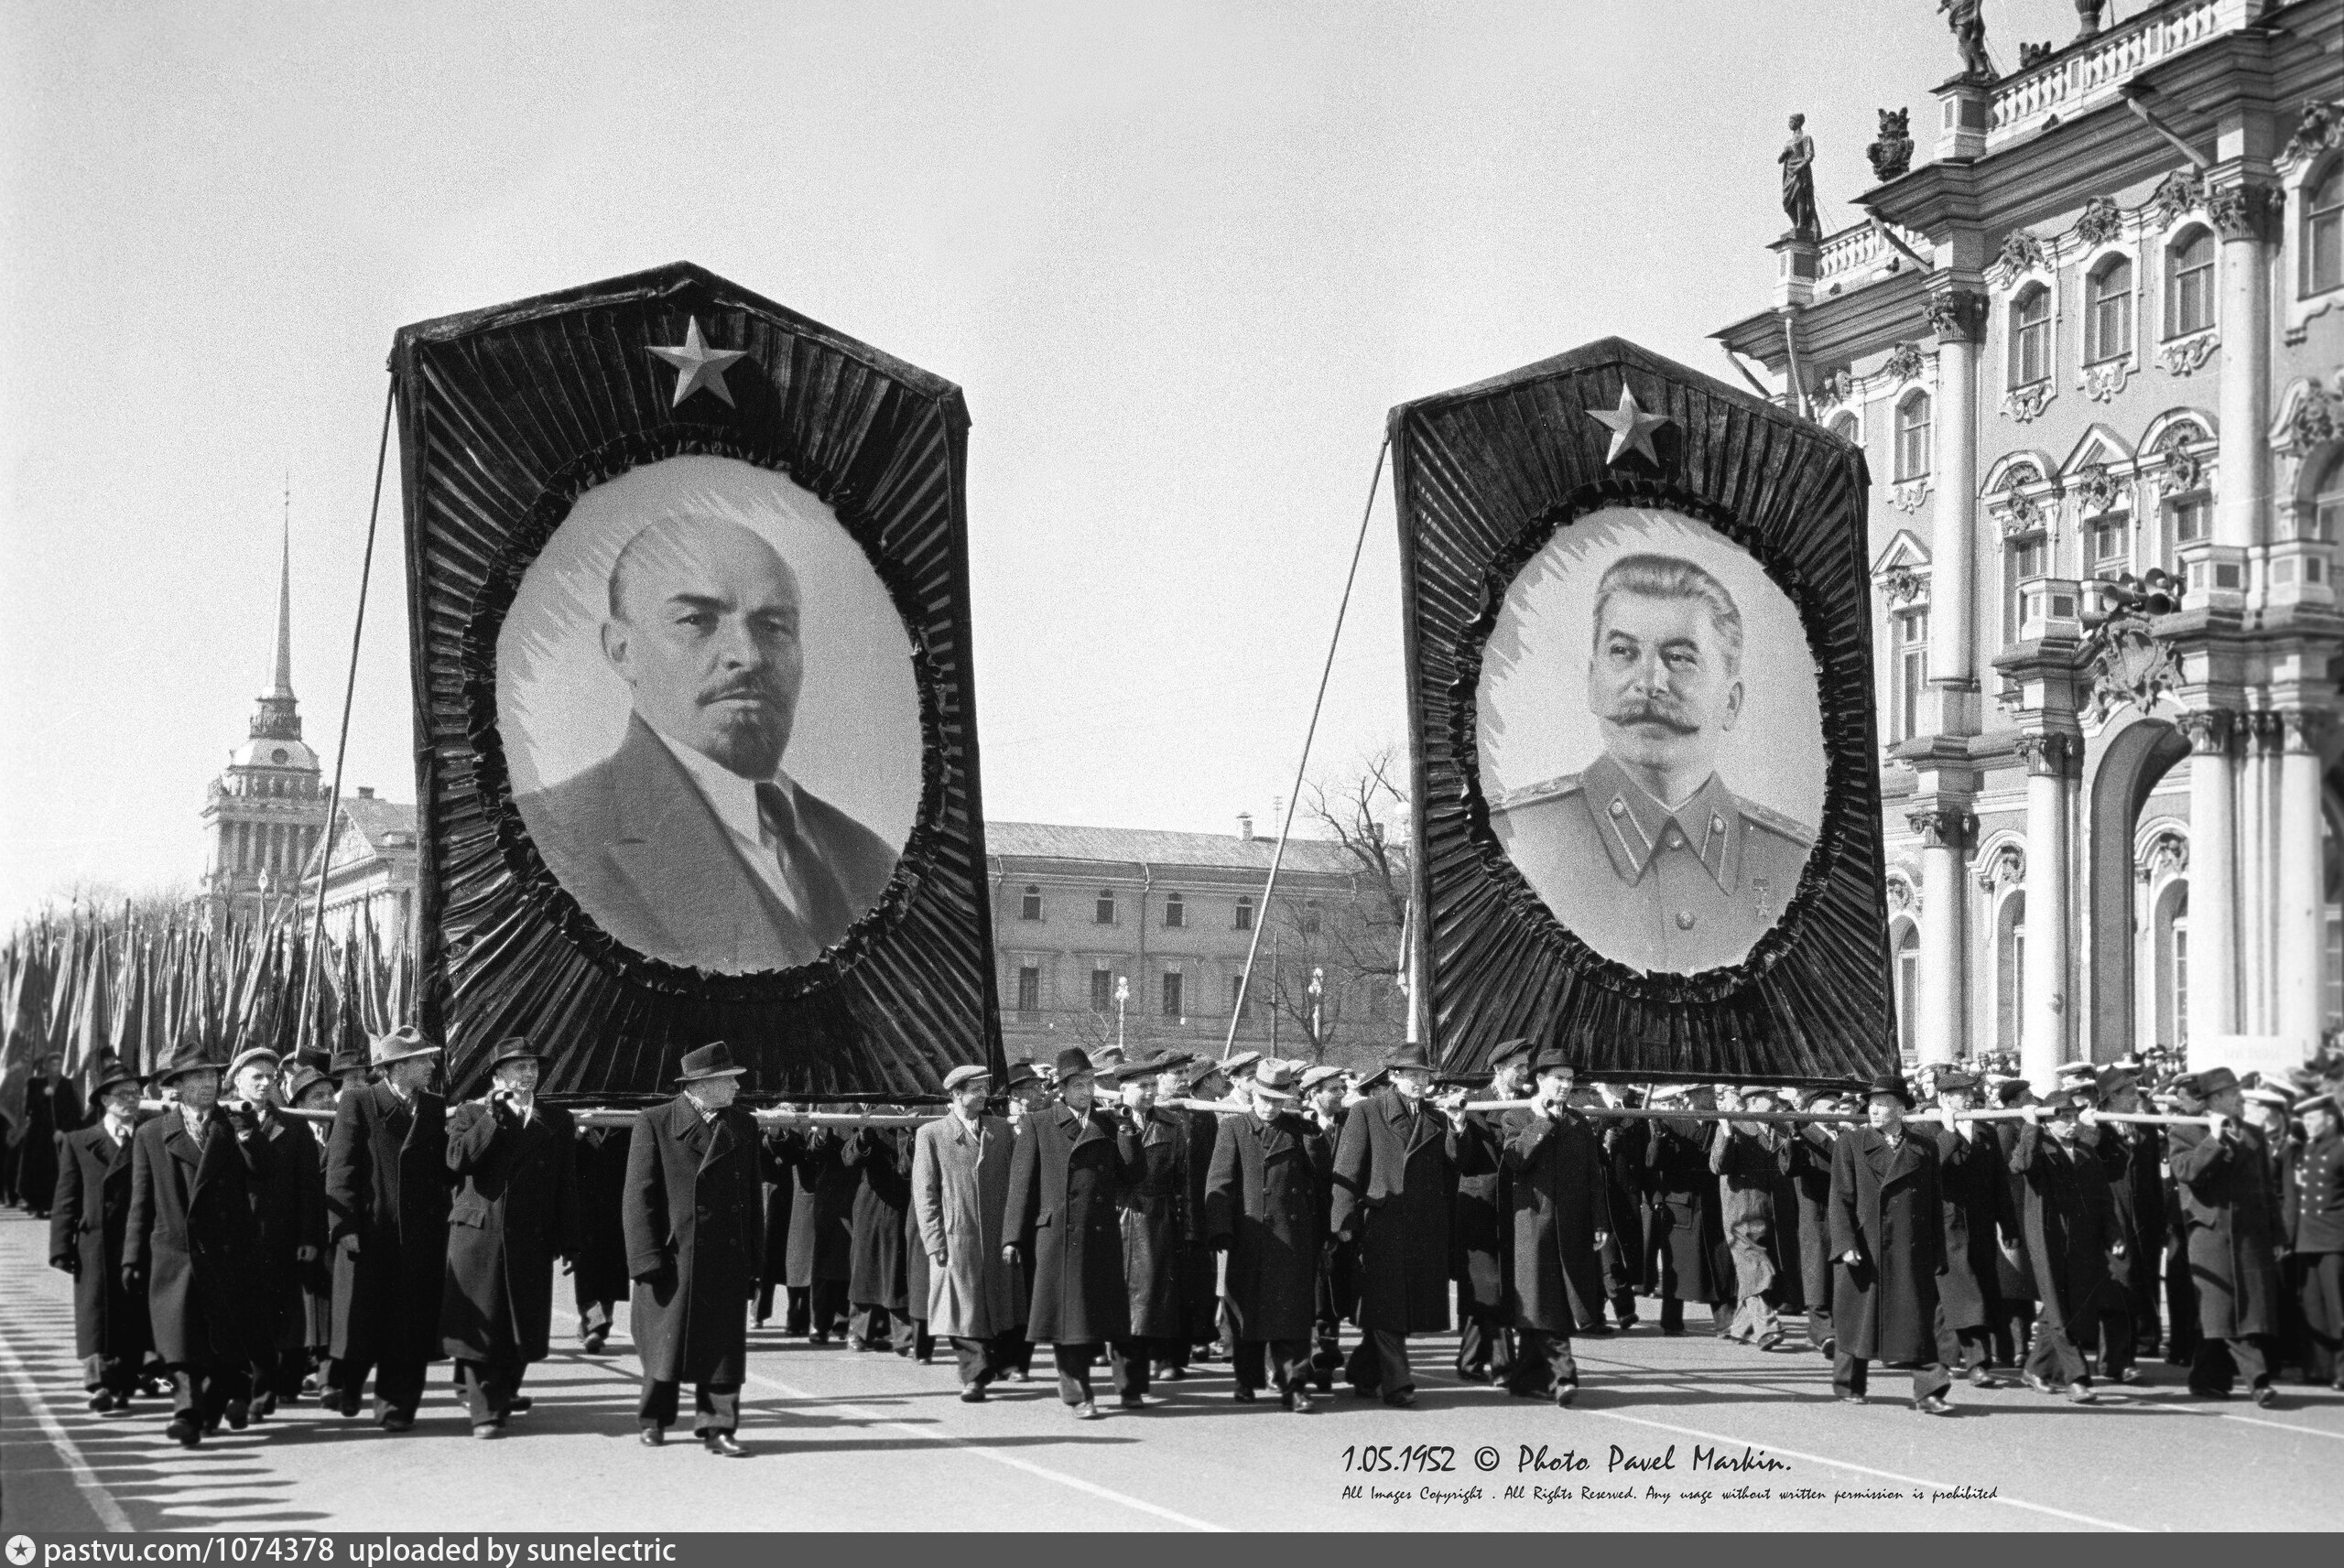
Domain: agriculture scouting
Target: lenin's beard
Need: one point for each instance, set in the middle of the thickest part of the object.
(744, 726)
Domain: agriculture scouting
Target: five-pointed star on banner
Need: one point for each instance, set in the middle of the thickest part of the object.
(697, 365)
(1631, 429)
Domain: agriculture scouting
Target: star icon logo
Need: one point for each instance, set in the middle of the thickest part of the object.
(697, 365)
(1631, 429)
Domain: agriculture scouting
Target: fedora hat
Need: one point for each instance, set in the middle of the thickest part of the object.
(1408, 1057)
(399, 1045)
(110, 1072)
(713, 1060)
(304, 1080)
(1890, 1084)
(1021, 1073)
(191, 1057)
(1072, 1060)
(1278, 1081)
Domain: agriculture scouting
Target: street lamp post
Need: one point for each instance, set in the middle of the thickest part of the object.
(1317, 989)
(1122, 995)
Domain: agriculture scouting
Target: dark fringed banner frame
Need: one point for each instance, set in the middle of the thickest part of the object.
(1485, 476)
(506, 417)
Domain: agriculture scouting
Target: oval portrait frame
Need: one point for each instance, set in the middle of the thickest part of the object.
(500, 586)
(1464, 723)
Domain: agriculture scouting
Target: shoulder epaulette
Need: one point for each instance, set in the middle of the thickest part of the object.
(1530, 794)
(1776, 822)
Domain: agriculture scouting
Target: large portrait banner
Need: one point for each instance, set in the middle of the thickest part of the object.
(1637, 619)
(696, 749)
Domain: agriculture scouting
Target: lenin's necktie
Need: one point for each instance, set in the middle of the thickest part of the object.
(813, 900)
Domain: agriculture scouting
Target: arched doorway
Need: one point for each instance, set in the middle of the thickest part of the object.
(2139, 756)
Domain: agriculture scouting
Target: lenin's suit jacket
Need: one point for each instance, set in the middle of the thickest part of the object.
(639, 848)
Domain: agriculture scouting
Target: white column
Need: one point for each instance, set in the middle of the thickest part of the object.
(2213, 887)
(2242, 488)
(2250, 820)
(2301, 936)
(2045, 1009)
(1940, 1027)
(1956, 316)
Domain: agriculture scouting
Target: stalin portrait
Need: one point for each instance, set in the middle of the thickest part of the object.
(1648, 855)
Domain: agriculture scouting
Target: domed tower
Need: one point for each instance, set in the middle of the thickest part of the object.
(262, 815)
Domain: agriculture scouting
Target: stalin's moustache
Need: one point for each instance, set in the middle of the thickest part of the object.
(1645, 711)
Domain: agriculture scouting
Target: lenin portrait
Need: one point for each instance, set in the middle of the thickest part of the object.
(1651, 741)
(710, 713)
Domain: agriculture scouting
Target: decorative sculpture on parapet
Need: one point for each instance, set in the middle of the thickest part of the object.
(1797, 158)
(1967, 20)
(2087, 18)
(1891, 154)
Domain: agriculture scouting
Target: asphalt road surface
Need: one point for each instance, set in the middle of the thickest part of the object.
(841, 1440)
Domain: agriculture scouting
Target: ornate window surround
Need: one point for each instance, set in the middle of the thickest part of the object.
(2313, 150)
(2027, 260)
(2185, 352)
(2102, 379)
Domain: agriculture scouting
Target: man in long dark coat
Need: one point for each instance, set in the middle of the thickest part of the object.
(878, 1289)
(193, 1245)
(2134, 1157)
(2312, 1218)
(1686, 1233)
(692, 1216)
(52, 1106)
(1199, 1280)
(2224, 1176)
(1975, 1187)
(1888, 1236)
(1395, 1180)
(1559, 1210)
(1338, 1290)
(820, 1265)
(1807, 1162)
(1156, 1225)
(599, 1277)
(2014, 1275)
(773, 1254)
(1480, 1228)
(2070, 1228)
(387, 1217)
(1624, 1256)
(312, 1090)
(1266, 1207)
(291, 1206)
(88, 1218)
(514, 1211)
(1067, 1173)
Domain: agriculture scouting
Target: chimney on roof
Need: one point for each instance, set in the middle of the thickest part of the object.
(366, 792)
(1245, 827)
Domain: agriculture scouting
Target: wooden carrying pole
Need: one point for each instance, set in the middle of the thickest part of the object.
(1798, 1117)
(607, 1116)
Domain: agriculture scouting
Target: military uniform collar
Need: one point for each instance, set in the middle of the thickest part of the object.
(1634, 826)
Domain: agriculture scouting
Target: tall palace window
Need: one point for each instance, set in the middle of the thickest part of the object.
(2190, 284)
(2324, 232)
(2031, 337)
(1913, 436)
(2108, 311)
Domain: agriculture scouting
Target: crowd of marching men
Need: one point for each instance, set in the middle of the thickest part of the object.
(250, 1234)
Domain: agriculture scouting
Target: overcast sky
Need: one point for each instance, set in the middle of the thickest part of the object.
(1182, 257)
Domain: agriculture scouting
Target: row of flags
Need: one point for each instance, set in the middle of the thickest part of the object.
(92, 985)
